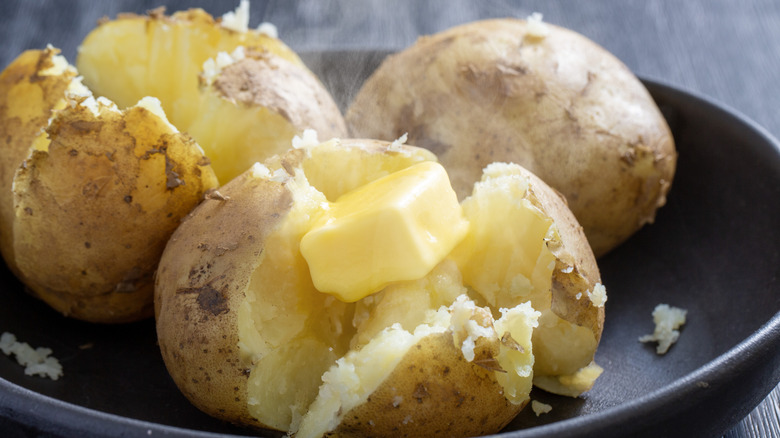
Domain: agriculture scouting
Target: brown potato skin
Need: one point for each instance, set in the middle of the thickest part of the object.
(200, 284)
(18, 131)
(561, 106)
(574, 251)
(264, 79)
(94, 211)
(442, 395)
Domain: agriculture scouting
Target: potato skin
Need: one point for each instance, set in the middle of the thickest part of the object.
(27, 98)
(561, 106)
(264, 79)
(200, 284)
(573, 251)
(419, 397)
(94, 209)
(283, 98)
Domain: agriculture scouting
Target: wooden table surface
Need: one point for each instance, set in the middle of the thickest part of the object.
(726, 50)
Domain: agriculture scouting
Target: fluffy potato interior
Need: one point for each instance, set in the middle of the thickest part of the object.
(316, 360)
(503, 211)
(283, 309)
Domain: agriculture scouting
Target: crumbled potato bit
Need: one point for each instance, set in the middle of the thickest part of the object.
(536, 27)
(540, 408)
(237, 20)
(36, 361)
(667, 321)
(598, 296)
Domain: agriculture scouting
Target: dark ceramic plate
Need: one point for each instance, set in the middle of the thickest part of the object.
(714, 250)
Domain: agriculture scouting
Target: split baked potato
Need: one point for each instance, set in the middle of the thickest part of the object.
(89, 203)
(536, 94)
(255, 329)
(241, 93)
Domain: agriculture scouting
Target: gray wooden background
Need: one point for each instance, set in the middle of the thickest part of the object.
(727, 50)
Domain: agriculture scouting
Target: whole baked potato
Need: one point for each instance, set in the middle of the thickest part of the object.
(294, 300)
(536, 94)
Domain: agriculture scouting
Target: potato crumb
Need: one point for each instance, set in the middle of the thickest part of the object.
(259, 170)
(397, 400)
(462, 310)
(467, 348)
(237, 20)
(398, 142)
(667, 321)
(536, 27)
(95, 106)
(77, 89)
(269, 29)
(153, 105)
(37, 361)
(212, 67)
(59, 64)
(599, 295)
(540, 408)
(307, 139)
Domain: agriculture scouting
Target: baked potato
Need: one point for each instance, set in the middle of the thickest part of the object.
(278, 303)
(89, 203)
(241, 93)
(536, 94)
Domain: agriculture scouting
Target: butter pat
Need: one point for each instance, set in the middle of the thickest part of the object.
(395, 228)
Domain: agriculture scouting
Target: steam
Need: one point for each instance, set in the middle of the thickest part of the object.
(343, 41)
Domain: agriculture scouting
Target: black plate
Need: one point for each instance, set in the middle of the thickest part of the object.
(714, 250)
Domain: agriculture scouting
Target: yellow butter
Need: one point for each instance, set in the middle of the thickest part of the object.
(397, 227)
